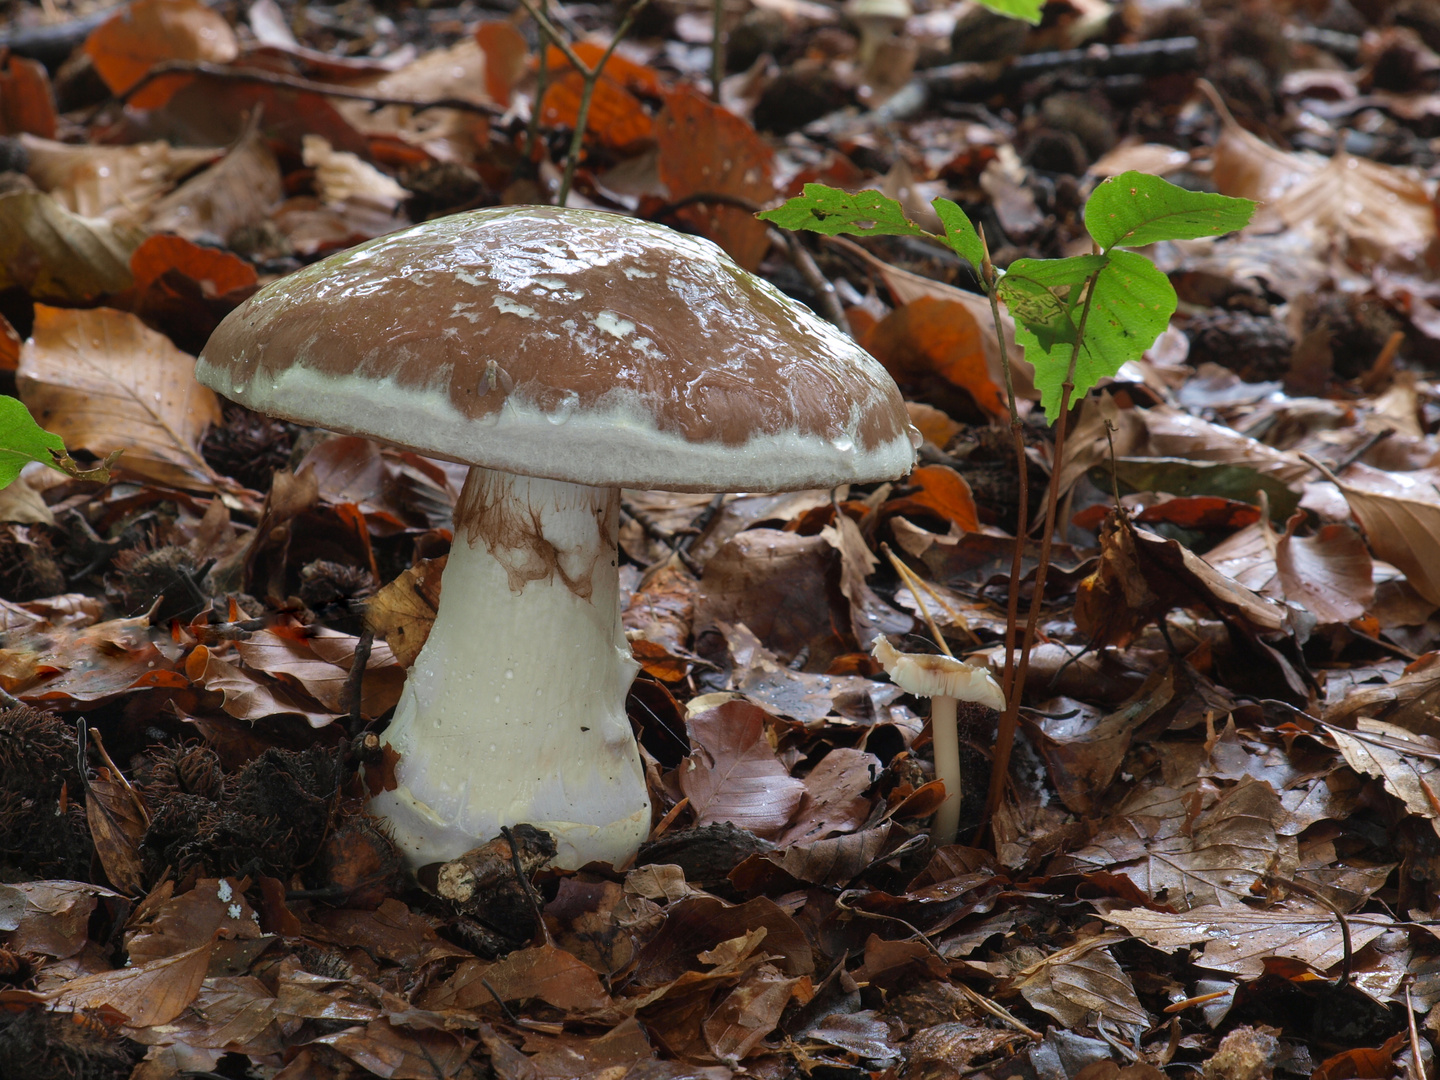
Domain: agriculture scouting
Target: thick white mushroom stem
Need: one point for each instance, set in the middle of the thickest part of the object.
(945, 736)
(514, 711)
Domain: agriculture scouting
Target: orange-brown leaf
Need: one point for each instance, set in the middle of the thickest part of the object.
(929, 338)
(27, 103)
(148, 32)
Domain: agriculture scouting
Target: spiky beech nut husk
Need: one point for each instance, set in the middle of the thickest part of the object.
(249, 447)
(326, 582)
(144, 575)
(28, 569)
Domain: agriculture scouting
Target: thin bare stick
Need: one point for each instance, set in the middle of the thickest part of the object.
(909, 578)
(717, 48)
(1010, 718)
(589, 77)
(291, 82)
(542, 84)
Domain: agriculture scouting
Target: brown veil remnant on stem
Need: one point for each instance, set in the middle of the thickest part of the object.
(562, 354)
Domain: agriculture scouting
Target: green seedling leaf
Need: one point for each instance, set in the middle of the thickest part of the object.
(1029, 10)
(960, 235)
(22, 441)
(831, 211)
(1135, 209)
(1131, 304)
(1042, 296)
(1179, 476)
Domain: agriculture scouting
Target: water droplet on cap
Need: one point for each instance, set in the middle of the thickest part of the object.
(843, 443)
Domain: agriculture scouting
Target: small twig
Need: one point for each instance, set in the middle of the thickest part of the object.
(659, 534)
(1022, 471)
(500, 1001)
(542, 84)
(919, 934)
(526, 884)
(696, 529)
(120, 776)
(589, 77)
(291, 82)
(1001, 1013)
(1364, 448)
(820, 285)
(354, 692)
(916, 584)
(717, 48)
(1417, 1063)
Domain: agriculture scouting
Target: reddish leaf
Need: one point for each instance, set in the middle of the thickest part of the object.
(944, 493)
(506, 56)
(215, 272)
(933, 346)
(708, 149)
(27, 104)
(1198, 512)
(148, 32)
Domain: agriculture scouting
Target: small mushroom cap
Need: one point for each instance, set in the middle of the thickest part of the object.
(569, 344)
(894, 10)
(926, 675)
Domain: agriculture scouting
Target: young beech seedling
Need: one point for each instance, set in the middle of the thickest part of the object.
(946, 682)
(1079, 319)
(561, 354)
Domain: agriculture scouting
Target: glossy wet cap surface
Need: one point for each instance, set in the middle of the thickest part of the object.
(571, 344)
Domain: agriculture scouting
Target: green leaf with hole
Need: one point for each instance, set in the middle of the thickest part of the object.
(831, 211)
(22, 441)
(960, 235)
(1135, 209)
(1131, 304)
(1042, 297)
(1029, 10)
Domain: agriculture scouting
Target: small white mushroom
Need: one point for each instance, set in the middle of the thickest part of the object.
(878, 21)
(946, 682)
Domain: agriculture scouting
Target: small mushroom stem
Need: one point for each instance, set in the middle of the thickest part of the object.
(514, 711)
(945, 736)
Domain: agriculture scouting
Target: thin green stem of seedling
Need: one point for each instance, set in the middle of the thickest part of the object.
(1017, 434)
(1010, 718)
(589, 77)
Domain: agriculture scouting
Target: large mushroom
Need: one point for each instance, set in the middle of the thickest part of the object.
(562, 354)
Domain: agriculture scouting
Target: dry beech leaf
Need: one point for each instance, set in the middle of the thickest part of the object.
(942, 492)
(104, 381)
(1215, 862)
(239, 189)
(1400, 514)
(834, 796)
(148, 32)
(249, 696)
(750, 1012)
(115, 182)
(57, 256)
(1410, 701)
(147, 994)
(617, 118)
(1239, 939)
(734, 775)
(1328, 574)
(117, 826)
(403, 612)
(870, 616)
(1376, 209)
(1082, 981)
(1407, 763)
(706, 148)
